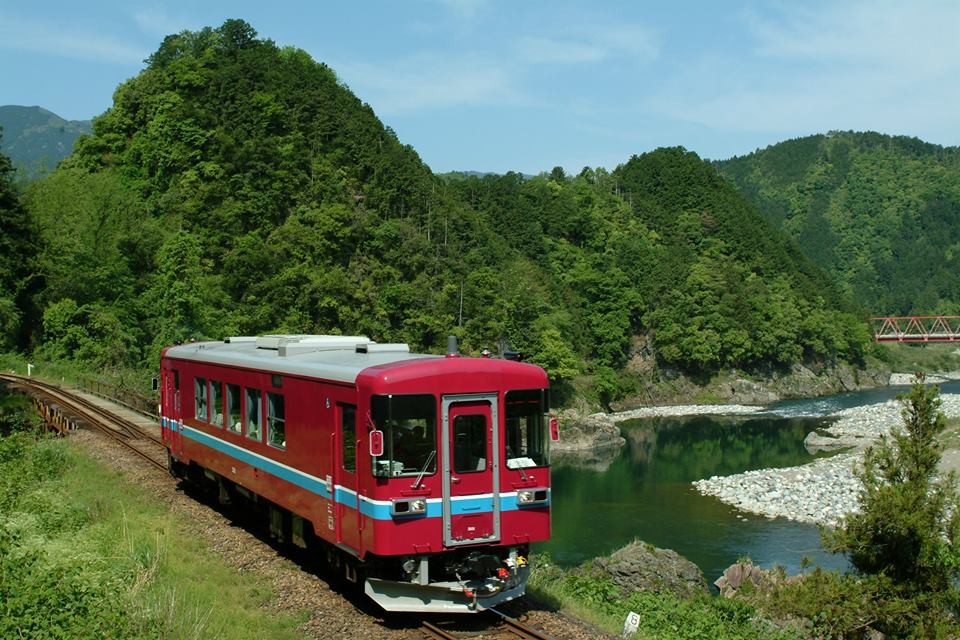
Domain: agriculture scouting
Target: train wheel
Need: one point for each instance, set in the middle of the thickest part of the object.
(174, 467)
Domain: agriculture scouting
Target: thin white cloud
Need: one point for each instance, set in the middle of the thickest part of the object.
(49, 38)
(588, 45)
(494, 76)
(920, 35)
(627, 39)
(551, 51)
(464, 8)
(882, 66)
(158, 23)
(429, 82)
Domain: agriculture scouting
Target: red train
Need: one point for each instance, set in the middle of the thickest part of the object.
(425, 476)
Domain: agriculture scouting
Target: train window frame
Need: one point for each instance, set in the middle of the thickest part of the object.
(526, 432)
(234, 415)
(250, 392)
(276, 419)
(200, 399)
(348, 436)
(217, 398)
(398, 416)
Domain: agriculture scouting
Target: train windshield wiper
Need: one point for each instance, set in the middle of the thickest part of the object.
(416, 483)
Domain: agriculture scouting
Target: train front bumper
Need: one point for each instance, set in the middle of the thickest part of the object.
(445, 597)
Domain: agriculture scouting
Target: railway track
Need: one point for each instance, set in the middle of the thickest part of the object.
(519, 629)
(140, 441)
(512, 627)
(65, 410)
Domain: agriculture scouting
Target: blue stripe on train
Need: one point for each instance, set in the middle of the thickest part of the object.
(377, 509)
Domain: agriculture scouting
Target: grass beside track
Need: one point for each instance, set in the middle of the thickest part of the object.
(83, 553)
(663, 615)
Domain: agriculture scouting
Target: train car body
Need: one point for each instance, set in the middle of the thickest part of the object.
(425, 476)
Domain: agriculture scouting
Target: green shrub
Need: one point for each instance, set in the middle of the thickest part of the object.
(847, 606)
(40, 598)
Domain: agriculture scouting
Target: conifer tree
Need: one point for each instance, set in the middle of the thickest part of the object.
(908, 528)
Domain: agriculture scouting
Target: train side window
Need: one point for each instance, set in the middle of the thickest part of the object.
(216, 403)
(276, 421)
(233, 407)
(348, 437)
(526, 432)
(176, 379)
(254, 414)
(200, 399)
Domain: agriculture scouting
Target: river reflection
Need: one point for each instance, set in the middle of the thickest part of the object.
(646, 493)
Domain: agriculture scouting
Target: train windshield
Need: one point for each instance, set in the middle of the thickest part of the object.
(526, 429)
(409, 425)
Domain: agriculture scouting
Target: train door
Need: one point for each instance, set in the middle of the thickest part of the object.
(173, 420)
(347, 521)
(471, 469)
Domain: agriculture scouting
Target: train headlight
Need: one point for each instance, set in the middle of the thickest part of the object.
(415, 507)
(526, 497)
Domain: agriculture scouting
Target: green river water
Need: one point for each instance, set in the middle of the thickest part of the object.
(645, 491)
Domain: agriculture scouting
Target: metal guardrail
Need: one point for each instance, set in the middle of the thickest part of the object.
(133, 400)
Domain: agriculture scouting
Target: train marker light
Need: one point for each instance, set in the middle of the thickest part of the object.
(376, 443)
(554, 429)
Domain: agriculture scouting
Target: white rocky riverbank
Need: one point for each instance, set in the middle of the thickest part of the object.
(824, 490)
(678, 410)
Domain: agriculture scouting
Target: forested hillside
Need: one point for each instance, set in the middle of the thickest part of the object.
(19, 273)
(237, 187)
(879, 213)
(663, 246)
(36, 140)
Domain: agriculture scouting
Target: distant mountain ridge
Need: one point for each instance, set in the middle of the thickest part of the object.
(879, 213)
(36, 139)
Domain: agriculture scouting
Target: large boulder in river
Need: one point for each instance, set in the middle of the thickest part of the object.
(579, 432)
(640, 566)
(587, 441)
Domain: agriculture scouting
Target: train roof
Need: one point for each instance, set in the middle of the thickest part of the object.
(338, 358)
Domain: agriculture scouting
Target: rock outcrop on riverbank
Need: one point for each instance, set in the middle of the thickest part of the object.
(825, 490)
(580, 433)
(741, 574)
(640, 566)
(593, 441)
(588, 442)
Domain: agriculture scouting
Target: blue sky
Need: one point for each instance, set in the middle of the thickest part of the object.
(527, 85)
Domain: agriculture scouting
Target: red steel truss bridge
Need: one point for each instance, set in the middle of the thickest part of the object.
(917, 329)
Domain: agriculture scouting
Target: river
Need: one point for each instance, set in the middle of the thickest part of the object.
(645, 492)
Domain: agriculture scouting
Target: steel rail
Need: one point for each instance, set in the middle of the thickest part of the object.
(93, 415)
(132, 430)
(519, 629)
(431, 630)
